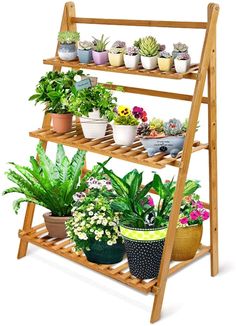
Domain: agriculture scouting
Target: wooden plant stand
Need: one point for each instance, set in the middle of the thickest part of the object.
(37, 235)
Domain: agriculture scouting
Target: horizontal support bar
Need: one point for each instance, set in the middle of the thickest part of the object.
(135, 22)
(150, 92)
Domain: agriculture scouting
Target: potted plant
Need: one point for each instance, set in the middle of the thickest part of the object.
(94, 226)
(99, 52)
(48, 184)
(84, 51)
(189, 229)
(95, 107)
(165, 61)
(131, 57)
(67, 48)
(179, 48)
(148, 50)
(116, 54)
(54, 89)
(182, 63)
(158, 136)
(125, 124)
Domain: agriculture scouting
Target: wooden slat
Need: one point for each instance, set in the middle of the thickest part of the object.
(136, 22)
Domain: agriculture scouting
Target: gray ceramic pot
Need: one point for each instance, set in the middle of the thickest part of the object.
(169, 145)
(67, 52)
(85, 56)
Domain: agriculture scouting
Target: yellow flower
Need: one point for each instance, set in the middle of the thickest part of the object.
(123, 110)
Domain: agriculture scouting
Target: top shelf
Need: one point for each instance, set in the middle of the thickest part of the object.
(76, 65)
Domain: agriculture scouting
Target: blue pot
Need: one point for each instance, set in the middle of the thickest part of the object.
(67, 52)
(85, 56)
(169, 145)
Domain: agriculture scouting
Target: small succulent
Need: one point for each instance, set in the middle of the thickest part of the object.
(148, 46)
(185, 125)
(85, 45)
(143, 129)
(119, 44)
(116, 50)
(131, 50)
(156, 124)
(68, 37)
(165, 55)
(100, 44)
(180, 47)
(137, 43)
(162, 47)
(173, 127)
(183, 56)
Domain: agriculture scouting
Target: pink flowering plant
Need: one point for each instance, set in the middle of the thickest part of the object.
(192, 211)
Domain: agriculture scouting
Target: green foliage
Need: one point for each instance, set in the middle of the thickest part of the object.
(100, 44)
(156, 124)
(55, 89)
(148, 46)
(99, 97)
(127, 120)
(68, 37)
(48, 184)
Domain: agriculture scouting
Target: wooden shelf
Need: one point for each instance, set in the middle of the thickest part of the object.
(38, 236)
(76, 65)
(106, 146)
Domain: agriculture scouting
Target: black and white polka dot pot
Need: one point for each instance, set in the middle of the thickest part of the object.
(144, 249)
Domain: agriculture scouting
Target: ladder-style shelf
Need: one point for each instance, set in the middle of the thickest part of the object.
(135, 153)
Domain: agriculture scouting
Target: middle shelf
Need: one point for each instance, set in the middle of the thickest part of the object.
(106, 146)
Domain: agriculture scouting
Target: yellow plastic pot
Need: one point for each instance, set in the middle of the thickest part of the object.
(165, 64)
(116, 59)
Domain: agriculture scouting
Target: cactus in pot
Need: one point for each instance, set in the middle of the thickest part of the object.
(84, 51)
(165, 61)
(116, 54)
(149, 52)
(179, 48)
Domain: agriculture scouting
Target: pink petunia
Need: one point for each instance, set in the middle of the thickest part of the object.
(183, 220)
(150, 201)
(199, 204)
(194, 215)
(205, 215)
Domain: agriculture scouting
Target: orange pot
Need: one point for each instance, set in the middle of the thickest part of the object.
(62, 122)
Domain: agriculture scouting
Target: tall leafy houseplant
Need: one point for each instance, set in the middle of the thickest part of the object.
(67, 49)
(95, 106)
(54, 89)
(48, 184)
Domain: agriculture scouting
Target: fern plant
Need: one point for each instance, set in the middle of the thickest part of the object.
(48, 184)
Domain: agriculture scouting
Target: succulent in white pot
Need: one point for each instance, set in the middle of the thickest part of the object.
(95, 107)
(182, 63)
(116, 54)
(131, 57)
(178, 49)
(67, 45)
(148, 50)
(165, 61)
(84, 51)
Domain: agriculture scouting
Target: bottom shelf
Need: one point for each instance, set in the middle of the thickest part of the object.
(38, 236)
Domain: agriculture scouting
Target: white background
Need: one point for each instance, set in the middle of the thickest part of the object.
(43, 288)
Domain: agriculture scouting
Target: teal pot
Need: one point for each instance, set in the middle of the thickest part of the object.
(144, 248)
(169, 145)
(101, 253)
(67, 52)
(85, 56)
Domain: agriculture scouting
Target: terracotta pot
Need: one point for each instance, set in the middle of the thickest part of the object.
(56, 225)
(187, 242)
(62, 122)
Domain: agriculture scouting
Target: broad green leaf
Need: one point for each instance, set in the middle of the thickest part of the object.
(159, 187)
(190, 187)
(120, 186)
(144, 191)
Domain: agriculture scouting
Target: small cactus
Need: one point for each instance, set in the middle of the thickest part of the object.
(180, 47)
(173, 127)
(149, 46)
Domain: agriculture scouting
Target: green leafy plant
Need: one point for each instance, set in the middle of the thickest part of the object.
(128, 120)
(68, 37)
(148, 46)
(48, 184)
(100, 44)
(55, 89)
(98, 97)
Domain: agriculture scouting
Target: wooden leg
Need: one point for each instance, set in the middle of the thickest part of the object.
(212, 127)
(193, 118)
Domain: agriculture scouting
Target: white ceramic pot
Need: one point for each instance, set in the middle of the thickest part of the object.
(149, 62)
(93, 126)
(124, 135)
(131, 61)
(182, 66)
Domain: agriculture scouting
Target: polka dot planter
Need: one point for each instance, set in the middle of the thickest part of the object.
(144, 249)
